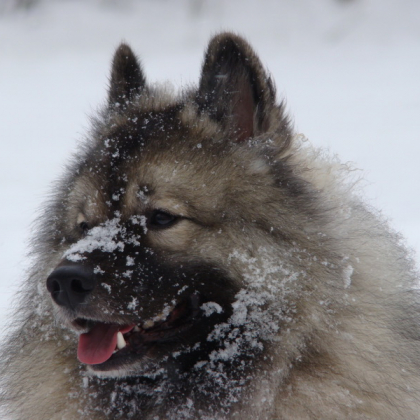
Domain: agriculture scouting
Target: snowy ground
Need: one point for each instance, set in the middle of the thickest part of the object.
(349, 70)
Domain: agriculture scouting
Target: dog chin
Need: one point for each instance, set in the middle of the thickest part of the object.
(141, 368)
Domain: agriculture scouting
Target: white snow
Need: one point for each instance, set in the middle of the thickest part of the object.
(133, 304)
(347, 273)
(210, 308)
(348, 70)
(99, 238)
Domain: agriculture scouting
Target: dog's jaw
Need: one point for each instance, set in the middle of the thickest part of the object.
(114, 350)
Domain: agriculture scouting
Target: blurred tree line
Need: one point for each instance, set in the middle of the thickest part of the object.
(10, 5)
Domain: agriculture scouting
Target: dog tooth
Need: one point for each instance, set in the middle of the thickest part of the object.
(120, 341)
(148, 324)
(136, 329)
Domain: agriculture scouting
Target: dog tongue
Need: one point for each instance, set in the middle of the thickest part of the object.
(97, 345)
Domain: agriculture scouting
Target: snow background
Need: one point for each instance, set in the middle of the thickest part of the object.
(349, 70)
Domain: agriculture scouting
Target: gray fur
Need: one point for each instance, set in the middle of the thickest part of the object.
(308, 305)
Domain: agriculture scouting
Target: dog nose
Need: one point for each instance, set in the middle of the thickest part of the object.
(70, 285)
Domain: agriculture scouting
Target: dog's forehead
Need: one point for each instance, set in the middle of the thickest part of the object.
(150, 130)
(164, 153)
(177, 172)
(162, 146)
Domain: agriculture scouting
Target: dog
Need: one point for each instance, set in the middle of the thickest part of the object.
(201, 260)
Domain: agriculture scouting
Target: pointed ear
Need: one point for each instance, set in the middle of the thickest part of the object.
(127, 79)
(234, 88)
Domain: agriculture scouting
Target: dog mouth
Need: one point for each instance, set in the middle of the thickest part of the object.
(112, 344)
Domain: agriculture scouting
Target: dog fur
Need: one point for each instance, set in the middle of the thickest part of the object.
(261, 284)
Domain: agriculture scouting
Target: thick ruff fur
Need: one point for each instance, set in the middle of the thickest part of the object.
(245, 277)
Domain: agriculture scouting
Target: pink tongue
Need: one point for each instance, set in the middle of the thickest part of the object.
(98, 344)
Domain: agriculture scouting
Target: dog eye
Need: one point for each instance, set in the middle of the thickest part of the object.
(162, 219)
(82, 223)
(84, 227)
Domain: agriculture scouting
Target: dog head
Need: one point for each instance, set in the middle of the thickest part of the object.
(162, 205)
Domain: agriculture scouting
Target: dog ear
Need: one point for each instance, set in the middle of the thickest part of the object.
(127, 79)
(234, 87)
